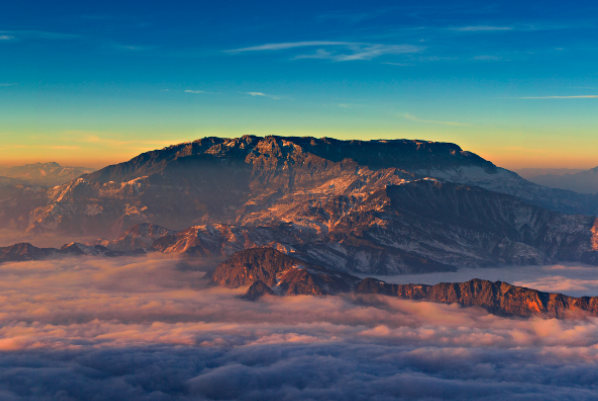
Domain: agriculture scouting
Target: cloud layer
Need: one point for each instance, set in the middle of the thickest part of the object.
(148, 329)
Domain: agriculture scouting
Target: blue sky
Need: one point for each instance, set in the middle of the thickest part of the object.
(99, 82)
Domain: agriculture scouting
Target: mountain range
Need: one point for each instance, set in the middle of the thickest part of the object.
(379, 207)
(44, 174)
(585, 181)
(270, 272)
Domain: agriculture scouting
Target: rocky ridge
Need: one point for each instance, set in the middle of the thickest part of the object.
(282, 274)
(25, 251)
(269, 272)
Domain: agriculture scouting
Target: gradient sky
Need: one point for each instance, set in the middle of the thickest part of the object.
(93, 83)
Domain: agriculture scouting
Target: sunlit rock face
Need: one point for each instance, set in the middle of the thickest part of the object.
(499, 298)
(283, 274)
(372, 207)
(270, 272)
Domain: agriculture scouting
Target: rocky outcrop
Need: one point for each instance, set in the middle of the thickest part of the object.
(284, 274)
(224, 240)
(269, 272)
(497, 297)
(257, 290)
(22, 252)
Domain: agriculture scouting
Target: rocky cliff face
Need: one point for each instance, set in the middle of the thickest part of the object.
(283, 274)
(498, 298)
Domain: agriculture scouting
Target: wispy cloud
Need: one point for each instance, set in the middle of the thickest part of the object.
(329, 50)
(193, 91)
(487, 58)
(290, 45)
(13, 35)
(411, 117)
(260, 94)
(7, 84)
(482, 28)
(362, 52)
(560, 97)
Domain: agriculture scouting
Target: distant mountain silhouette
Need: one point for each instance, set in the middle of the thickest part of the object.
(44, 174)
(583, 182)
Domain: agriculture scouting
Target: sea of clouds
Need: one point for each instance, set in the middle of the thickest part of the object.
(148, 328)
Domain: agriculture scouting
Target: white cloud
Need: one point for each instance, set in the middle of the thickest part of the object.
(291, 45)
(260, 94)
(367, 52)
(6, 37)
(193, 91)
